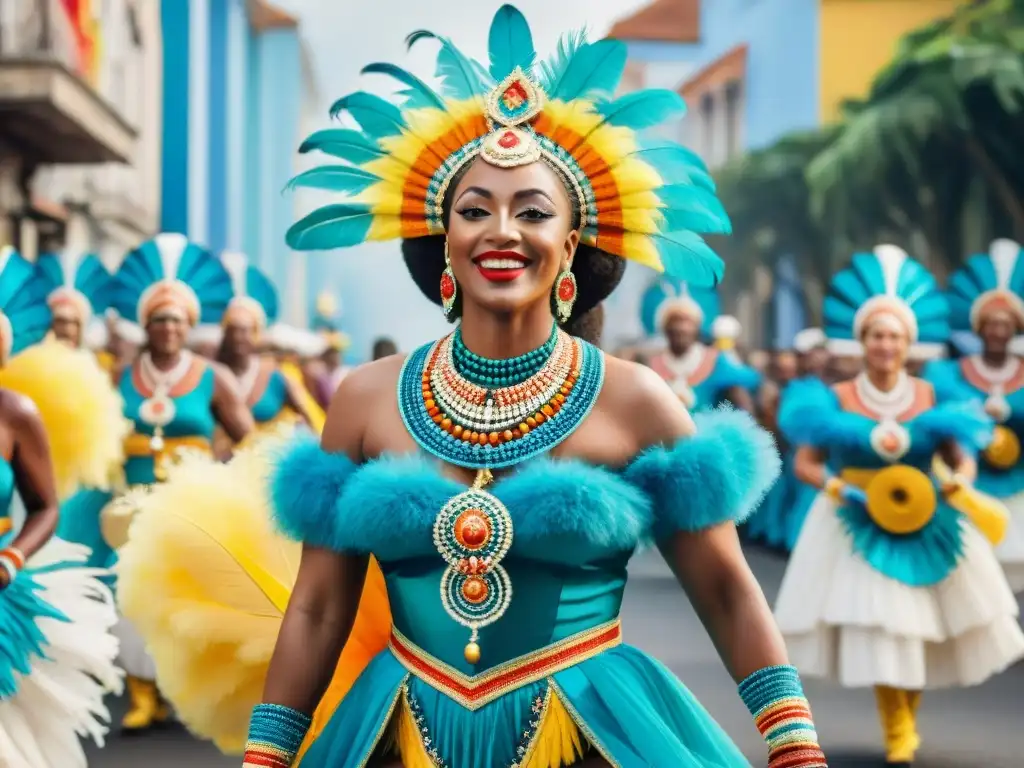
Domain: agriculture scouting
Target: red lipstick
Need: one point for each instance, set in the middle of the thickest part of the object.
(501, 266)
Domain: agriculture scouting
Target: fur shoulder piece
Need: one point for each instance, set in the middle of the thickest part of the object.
(305, 484)
(966, 423)
(948, 381)
(810, 414)
(730, 372)
(718, 475)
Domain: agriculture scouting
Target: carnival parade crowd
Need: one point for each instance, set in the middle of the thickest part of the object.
(311, 564)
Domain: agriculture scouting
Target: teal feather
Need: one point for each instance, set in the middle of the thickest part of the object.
(595, 69)
(686, 256)
(693, 208)
(332, 226)
(677, 165)
(461, 78)
(344, 144)
(420, 94)
(643, 109)
(510, 43)
(376, 116)
(550, 71)
(335, 178)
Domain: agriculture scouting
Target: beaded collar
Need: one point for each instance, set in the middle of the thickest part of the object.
(483, 414)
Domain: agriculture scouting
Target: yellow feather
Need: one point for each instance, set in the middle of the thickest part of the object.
(647, 222)
(82, 412)
(385, 228)
(642, 250)
(645, 199)
(633, 176)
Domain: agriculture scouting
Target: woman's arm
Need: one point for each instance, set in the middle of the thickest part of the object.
(964, 466)
(295, 401)
(322, 608)
(229, 406)
(33, 472)
(704, 552)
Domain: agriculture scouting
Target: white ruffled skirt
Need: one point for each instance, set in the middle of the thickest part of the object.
(845, 621)
(1011, 550)
(134, 658)
(61, 697)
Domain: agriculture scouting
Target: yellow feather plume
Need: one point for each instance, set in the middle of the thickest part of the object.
(82, 412)
(206, 580)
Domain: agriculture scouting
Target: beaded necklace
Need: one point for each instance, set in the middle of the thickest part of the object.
(487, 414)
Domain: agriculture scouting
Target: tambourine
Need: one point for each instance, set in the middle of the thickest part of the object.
(901, 499)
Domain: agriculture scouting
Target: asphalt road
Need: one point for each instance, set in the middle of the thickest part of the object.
(981, 727)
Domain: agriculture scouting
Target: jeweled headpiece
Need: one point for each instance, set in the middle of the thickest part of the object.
(988, 282)
(640, 198)
(886, 284)
(170, 271)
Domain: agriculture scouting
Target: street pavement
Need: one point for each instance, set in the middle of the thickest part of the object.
(982, 727)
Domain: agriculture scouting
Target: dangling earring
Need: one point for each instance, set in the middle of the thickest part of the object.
(565, 293)
(448, 287)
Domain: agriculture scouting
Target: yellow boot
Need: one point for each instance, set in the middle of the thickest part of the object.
(144, 705)
(898, 712)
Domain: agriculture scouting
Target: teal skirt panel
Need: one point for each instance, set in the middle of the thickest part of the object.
(628, 706)
(79, 523)
(1000, 483)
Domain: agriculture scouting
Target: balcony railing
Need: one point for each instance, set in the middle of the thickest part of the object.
(40, 29)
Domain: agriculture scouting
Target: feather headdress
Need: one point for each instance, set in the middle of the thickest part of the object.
(886, 281)
(642, 199)
(77, 283)
(171, 270)
(24, 315)
(985, 283)
(255, 297)
(666, 297)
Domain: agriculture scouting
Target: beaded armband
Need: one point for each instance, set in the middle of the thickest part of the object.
(12, 560)
(775, 697)
(275, 735)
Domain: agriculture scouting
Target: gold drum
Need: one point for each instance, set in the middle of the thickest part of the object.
(901, 499)
(1004, 451)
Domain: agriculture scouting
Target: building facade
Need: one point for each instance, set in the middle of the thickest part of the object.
(234, 91)
(77, 159)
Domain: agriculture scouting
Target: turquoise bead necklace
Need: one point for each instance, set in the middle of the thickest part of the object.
(501, 373)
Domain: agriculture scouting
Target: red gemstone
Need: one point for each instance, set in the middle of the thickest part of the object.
(508, 140)
(158, 407)
(514, 95)
(566, 289)
(447, 286)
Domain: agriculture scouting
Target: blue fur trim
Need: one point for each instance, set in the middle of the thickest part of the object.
(559, 509)
(948, 382)
(730, 373)
(719, 474)
(305, 485)
(965, 423)
(809, 414)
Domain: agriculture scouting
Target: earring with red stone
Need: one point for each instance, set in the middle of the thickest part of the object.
(565, 293)
(448, 286)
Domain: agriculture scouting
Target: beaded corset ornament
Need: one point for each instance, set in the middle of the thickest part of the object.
(486, 414)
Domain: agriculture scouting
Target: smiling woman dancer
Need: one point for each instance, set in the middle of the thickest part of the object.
(515, 455)
(892, 583)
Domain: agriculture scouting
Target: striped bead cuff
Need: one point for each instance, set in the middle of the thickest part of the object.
(275, 735)
(775, 697)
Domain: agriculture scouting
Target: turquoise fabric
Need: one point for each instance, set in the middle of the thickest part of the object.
(727, 374)
(7, 488)
(924, 557)
(80, 523)
(193, 417)
(273, 399)
(952, 386)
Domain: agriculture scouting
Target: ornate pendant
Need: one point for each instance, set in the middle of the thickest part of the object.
(997, 407)
(158, 411)
(473, 533)
(890, 440)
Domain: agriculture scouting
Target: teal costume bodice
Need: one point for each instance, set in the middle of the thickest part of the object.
(833, 420)
(271, 400)
(193, 414)
(957, 381)
(574, 528)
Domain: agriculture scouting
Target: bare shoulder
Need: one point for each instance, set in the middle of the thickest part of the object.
(223, 375)
(360, 393)
(21, 414)
(649, 408)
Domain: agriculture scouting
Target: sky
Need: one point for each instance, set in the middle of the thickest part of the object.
(376, 295)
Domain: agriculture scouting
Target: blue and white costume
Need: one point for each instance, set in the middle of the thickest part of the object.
(986, 284)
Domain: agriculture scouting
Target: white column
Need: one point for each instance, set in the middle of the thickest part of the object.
(199, 117)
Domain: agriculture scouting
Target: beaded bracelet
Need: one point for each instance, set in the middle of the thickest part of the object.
(775, 697)
(12, 560)
(275, 735)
